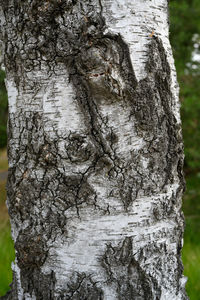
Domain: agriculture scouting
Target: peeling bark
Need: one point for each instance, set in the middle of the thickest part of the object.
(95, 150)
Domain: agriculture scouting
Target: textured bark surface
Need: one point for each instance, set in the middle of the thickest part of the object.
(95, 150)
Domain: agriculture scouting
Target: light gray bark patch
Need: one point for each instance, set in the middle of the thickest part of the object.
(126, 273)
(180, 268)
(81, 287)
(164, 260)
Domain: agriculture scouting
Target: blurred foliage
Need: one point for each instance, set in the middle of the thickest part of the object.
(191, 257)
(6, 243)
(185, 37)
(3, 110)
(3, 161)
(191, 249)
(7, 256)
(184, 24)
(185, 40)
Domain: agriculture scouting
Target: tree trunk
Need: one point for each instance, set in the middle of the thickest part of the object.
(95, 150)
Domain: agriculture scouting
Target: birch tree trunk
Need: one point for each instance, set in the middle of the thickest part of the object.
(95, 150)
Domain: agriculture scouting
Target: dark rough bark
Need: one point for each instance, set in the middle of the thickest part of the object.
(59, 176)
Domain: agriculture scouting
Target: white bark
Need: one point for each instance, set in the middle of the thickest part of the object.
(137, 22)
(95, 150)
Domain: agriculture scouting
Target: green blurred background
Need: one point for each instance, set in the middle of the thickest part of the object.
(185, 40)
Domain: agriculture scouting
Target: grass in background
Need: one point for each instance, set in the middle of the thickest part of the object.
(6, 243)
(3, 160)
(191, 256)
(191, 248)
